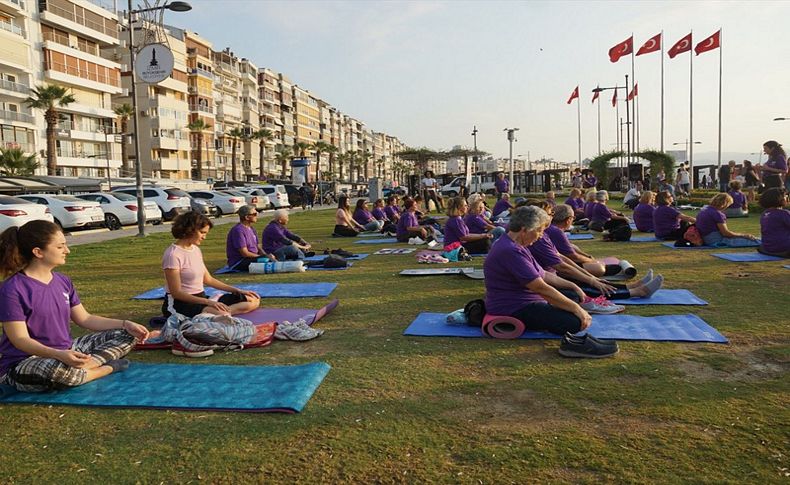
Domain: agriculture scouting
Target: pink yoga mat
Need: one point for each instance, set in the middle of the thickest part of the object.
(291, 314)
(502, 327)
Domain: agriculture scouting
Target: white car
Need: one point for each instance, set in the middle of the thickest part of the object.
(120, 209)
(276, 193)
(259, 201)
(170, 200)
(226, 204)
(69, 212)
(454, 188)
(17, 212)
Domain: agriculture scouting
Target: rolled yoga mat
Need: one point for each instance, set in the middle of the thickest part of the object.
(265, 290)
(671, 245)
(434, 271)
(746, 257)
(502, 327)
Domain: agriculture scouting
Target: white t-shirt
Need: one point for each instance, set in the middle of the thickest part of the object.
(631, 195)
(429, 183)
(684, 177)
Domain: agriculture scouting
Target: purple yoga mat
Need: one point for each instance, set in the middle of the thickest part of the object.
(262, 315)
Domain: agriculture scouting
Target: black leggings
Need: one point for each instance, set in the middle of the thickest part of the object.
(409, 235)
(480, 246)
(431, 195)
(544, 317)
(676, 234)
(345, 231)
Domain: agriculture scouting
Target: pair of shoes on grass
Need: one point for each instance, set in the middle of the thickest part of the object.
(587, 347)
(601, 306)
(298, 331)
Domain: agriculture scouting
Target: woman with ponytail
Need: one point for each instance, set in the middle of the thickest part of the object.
(37, 351)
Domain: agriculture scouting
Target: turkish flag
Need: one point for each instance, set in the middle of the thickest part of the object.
(634, 93)
(708, 44)
(683, 45)
(652, 45)
(614, 98)
(574, 95)
(622, 49)
(595, 95)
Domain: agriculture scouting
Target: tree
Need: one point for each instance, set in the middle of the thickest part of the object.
(466, 153)
(262, 135)
(379, 167)
(353, 165)
(198, 127)
(365, 157)
(421, 156)
(283, 156)
(14, 162)
(342, 158)
(124, 112)
(235, 134)
(48, 99)
(319, 147)
(301, 148)
(332, 150)
(658, 161)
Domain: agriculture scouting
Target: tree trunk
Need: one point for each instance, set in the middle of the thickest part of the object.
(317, 165)
(340, 168)
(51, 117)
(261, 156)
(233, 160)
(332, 164)
(199, 156)
(284, 166)
(125, 168)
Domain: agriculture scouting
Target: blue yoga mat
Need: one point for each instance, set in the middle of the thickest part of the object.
(321, 268)
(386, 240)
(265, 290)
(787, 266)
(369, 234)
(321, 257)
(671, 245)
(746, 257)
(667, 328)
(237, 388)
(644, 239)
(665, 297)
(579, 237)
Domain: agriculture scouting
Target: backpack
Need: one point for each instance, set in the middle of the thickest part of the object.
(209, 332)
(475, 310)
(335, 261)
(619, 233)
(693, 236)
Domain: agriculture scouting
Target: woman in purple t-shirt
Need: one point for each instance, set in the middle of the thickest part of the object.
(775, 224)
(478, 224)
(712, 226)
(363, 216)
(456, 230)
(37, 351)
(774, 170)
(643, 212)
(739, 207)
(409, 226)
(668, 222)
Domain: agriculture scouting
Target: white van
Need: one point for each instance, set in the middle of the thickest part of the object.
(454, 188)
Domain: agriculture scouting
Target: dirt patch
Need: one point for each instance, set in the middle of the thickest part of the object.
(750, 366)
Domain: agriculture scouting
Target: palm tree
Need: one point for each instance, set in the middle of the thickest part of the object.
(319, 147)
(234, 136)
(48, 99)
(283, 156)
(301, 148)
(379, 167)
(262, 136)
(14, 162)
(353, 165)
(198, 127)
(124, 112)
(332, 150)
(421, 156)
(342, 158)
(366, 156)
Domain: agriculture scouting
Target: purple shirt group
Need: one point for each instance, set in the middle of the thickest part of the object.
(665, 221)
(708, 219)
(454, 230)
(379, 215)
(509, 267)
(575, 203)
(391, 211)
(407, 220)
(775, 230)
(643, 217)
(240, 236)
(363, 216)
(560, 240)
(275, 236)
(475, 223)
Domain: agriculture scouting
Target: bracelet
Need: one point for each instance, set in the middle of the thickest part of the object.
(123, 324)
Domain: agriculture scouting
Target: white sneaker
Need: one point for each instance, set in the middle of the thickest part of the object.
(298, 331)
(601, 306)
(416, 241)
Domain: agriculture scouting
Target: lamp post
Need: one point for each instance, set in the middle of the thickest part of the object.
(176, 6)
(782, 119)
(511, 137)
(686, 145)
(627, 115)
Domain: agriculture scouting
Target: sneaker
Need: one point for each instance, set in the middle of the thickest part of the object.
(291, 331)
(416, 241)
(179, 350)
(392, 234)
(433, 244)
(585, 347)
(579, 339)
(601, 306)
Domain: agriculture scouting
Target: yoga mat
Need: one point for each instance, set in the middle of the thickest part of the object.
(395, 251)
(321, 257)
(265, 290)
(644, 239)
(369, 234)
(227, 270)
(665, 297)
(671, 245)
(579, 237)
(434, 271)
(321, 268)
(787, 266)
(665, 328)
(252, 389)
(386, 240)
(291, 314)
(746, 257)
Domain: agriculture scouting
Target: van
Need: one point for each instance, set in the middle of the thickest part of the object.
(454, 188)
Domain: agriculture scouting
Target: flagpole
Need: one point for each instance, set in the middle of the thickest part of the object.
(662, 91)
(636, 116)
(599, 123)
(618, 127)
(720, 58)
(691, 109)
(633, 105)
(579, 124)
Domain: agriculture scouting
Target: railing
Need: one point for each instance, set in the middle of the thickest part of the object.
(202, 72)
(68, 126)
(19, 3)
(12, 28)
(64, 40)
(62, 12)
(12, 86)
(84, 74)
(200, 107)
(16, 116)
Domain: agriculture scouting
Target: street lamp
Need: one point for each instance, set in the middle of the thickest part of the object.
(686, 145)
(511, 137)
(176, 6)
(627, 115)
(782, 119)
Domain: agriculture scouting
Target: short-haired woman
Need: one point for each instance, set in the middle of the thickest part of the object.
(345, 225)
(603, 218)
(576, 201)
(477, 223)
(37, 350)
(668, 222)
(712, 225)
(364, 218)
(408, 226)
(775, 223)
(186, 275)
(456, 230)
(502, 207)
(643, 212)
(739, 206)
(589, 203)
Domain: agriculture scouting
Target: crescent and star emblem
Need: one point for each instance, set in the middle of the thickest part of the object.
(708, 43)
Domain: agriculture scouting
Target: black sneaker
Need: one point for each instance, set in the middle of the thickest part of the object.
(343, 253)
(309, 254)
(585, 347)
(579, 339)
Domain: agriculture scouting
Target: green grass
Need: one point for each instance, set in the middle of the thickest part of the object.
(410, 410)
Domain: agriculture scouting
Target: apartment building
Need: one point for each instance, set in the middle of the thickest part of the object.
(286, 116)
(227, 99)
(270, 114)
(18, 73)
(200, 89)
(251, 161)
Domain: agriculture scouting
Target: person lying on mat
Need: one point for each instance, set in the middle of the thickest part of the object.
(186, 275)
(345, 225)
(603, 218)
(363, 216)
(241, 245)
(37, 350)
(408, 226)
(282, 243)
(643, 212)
(668, 222)
(502, 207)
(456, 230)
(739, 207)
(775, 223)
(477, 223)
(517, 286)
(392, 210)
(712, 226)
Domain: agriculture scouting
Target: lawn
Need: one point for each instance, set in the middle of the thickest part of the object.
(411, 410)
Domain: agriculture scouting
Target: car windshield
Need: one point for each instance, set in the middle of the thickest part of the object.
(8, 200)
(68, 198)
(123, 196)
(176, 192)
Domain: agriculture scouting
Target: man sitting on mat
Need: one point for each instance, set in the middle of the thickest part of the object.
(241, 246)
(775, 223)
(281, 242)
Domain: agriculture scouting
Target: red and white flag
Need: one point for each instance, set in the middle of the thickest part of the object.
(614, 98)
(622, 49)
(595, 95)
(634, 93)
(653, 44)
(683, 45)
(574, 95)
(708, 44)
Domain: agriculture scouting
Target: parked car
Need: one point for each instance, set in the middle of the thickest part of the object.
(261, 202)
(204, 206)
(387, 191)
(170, 200)
(226, 204)
(69, 212)
(17, 212)
(454, 188)
(120, 209)
(276, 194)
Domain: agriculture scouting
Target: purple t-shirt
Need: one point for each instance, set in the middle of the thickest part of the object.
(576, 203)
(407, 220)
(454, 230)
(240, 236)
(588, 208)
(502, 185)
(45, 308)
(560, 240)
(643, 217)
(591, 181)
(779, 163)
(545, 253)
(363, 216)
(665, 220)
(738, 199)
(775, 230)
(708, 220)
(600, 213)
(275, 236)
(475, 223)
(379, 215)
(501, 206)
(509, 267)
(392, 212)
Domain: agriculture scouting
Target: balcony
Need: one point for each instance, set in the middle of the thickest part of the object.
(201, 108)
(83, 74)
(71, 16)
(25, 147)
(20, 4)
(16, 116)
(14, 29)
(15, 87)
(202, 72)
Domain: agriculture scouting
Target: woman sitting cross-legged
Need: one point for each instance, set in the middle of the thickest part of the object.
(775, 223)
(392, 210)
(37, 351)
(456, 230)
(186, 275)
(668, 222)
(380, 215)
(345, 225)
(739, 206)
(477, 223)
(517, 286)
(576, 200)
(603, 218)
(408, 226)
(365, 219)
(643, 212)
(502, 207)
(712, 226)
(280, 242)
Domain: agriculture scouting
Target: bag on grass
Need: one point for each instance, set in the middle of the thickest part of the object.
(619, 233)
(693, 236)
(475, 310)
(335, 261)
(209, 332)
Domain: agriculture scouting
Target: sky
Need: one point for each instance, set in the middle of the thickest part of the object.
(428, 71)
